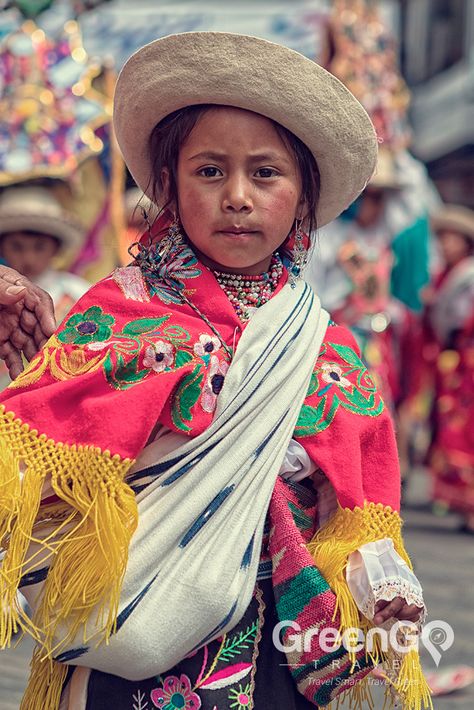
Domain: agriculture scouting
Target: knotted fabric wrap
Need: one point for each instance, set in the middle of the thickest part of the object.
(194, 557)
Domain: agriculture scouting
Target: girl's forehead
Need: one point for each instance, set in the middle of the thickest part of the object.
(236, 127)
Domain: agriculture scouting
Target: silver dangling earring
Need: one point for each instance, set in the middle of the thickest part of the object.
(299, 256)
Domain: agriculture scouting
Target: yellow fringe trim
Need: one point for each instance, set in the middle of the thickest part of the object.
(45, 684)
(330, 548)
(86, 548)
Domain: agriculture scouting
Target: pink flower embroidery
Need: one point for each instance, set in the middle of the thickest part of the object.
(207, 345)
(159, 356)
(214, 382)
(176, 694)
(332, 374)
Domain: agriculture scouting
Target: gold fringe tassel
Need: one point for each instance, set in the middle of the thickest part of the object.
(87, 552)
(45, 684)
(411, 684)
(330, 548)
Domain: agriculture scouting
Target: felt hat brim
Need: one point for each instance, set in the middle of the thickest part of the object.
(456, 218)
(253, 74)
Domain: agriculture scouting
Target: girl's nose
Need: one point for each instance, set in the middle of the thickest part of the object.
(238, 195)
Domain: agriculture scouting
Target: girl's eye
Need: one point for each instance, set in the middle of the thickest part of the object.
(210, 172)
(266, 172)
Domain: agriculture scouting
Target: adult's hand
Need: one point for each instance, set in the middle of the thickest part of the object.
(26, 319)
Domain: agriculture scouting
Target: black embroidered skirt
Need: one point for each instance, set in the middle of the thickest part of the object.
(241, 671)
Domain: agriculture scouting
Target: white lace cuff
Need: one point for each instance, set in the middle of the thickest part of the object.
(376, 571)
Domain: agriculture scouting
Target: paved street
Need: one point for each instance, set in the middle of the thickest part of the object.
(444, 561)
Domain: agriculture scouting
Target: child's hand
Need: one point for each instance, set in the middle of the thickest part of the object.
(397, 608)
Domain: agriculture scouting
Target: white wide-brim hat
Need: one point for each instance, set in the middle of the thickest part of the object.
(456, 218)
(254, 74)
(35, 209)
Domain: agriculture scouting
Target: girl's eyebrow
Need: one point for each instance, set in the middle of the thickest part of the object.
(254, 158)
(207, 155)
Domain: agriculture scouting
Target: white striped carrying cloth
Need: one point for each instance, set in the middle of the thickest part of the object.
(194, 558)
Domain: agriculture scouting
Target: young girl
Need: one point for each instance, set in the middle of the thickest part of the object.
(199, 475)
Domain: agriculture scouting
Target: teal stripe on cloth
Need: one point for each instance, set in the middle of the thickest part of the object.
(295, 594)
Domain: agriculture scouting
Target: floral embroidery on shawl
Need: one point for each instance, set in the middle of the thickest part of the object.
(340, 380)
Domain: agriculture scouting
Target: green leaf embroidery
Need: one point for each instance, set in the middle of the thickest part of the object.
(124, 375)
(185, 398)
(236, 644)
(175, 332)
(310, 416)
(182, 358)
(315, 422)
(313, 384)
(357, 399)
(108, 368)
(348, 355)
(367, 412)
(143, 325)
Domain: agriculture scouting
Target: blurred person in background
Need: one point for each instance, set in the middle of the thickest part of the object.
(34, 231)
(448, 364)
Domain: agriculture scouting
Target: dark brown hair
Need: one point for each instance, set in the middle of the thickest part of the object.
(171, 132)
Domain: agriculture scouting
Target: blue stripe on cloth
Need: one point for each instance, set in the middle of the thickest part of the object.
(141, 487)
(125, 613)
(38, 575)
(265, 570)
(247, 558)
(202, 519)
(269, 436)
(70, 655)
(283, 329)
(253, 372)
(181, 471)
(121, 619)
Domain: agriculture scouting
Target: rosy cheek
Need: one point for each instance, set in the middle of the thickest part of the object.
(283, 201)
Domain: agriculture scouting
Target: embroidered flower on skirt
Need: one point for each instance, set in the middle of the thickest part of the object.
(176, 694)
(207, 345)
(241, 698)
(159, 356)
(213, 385)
